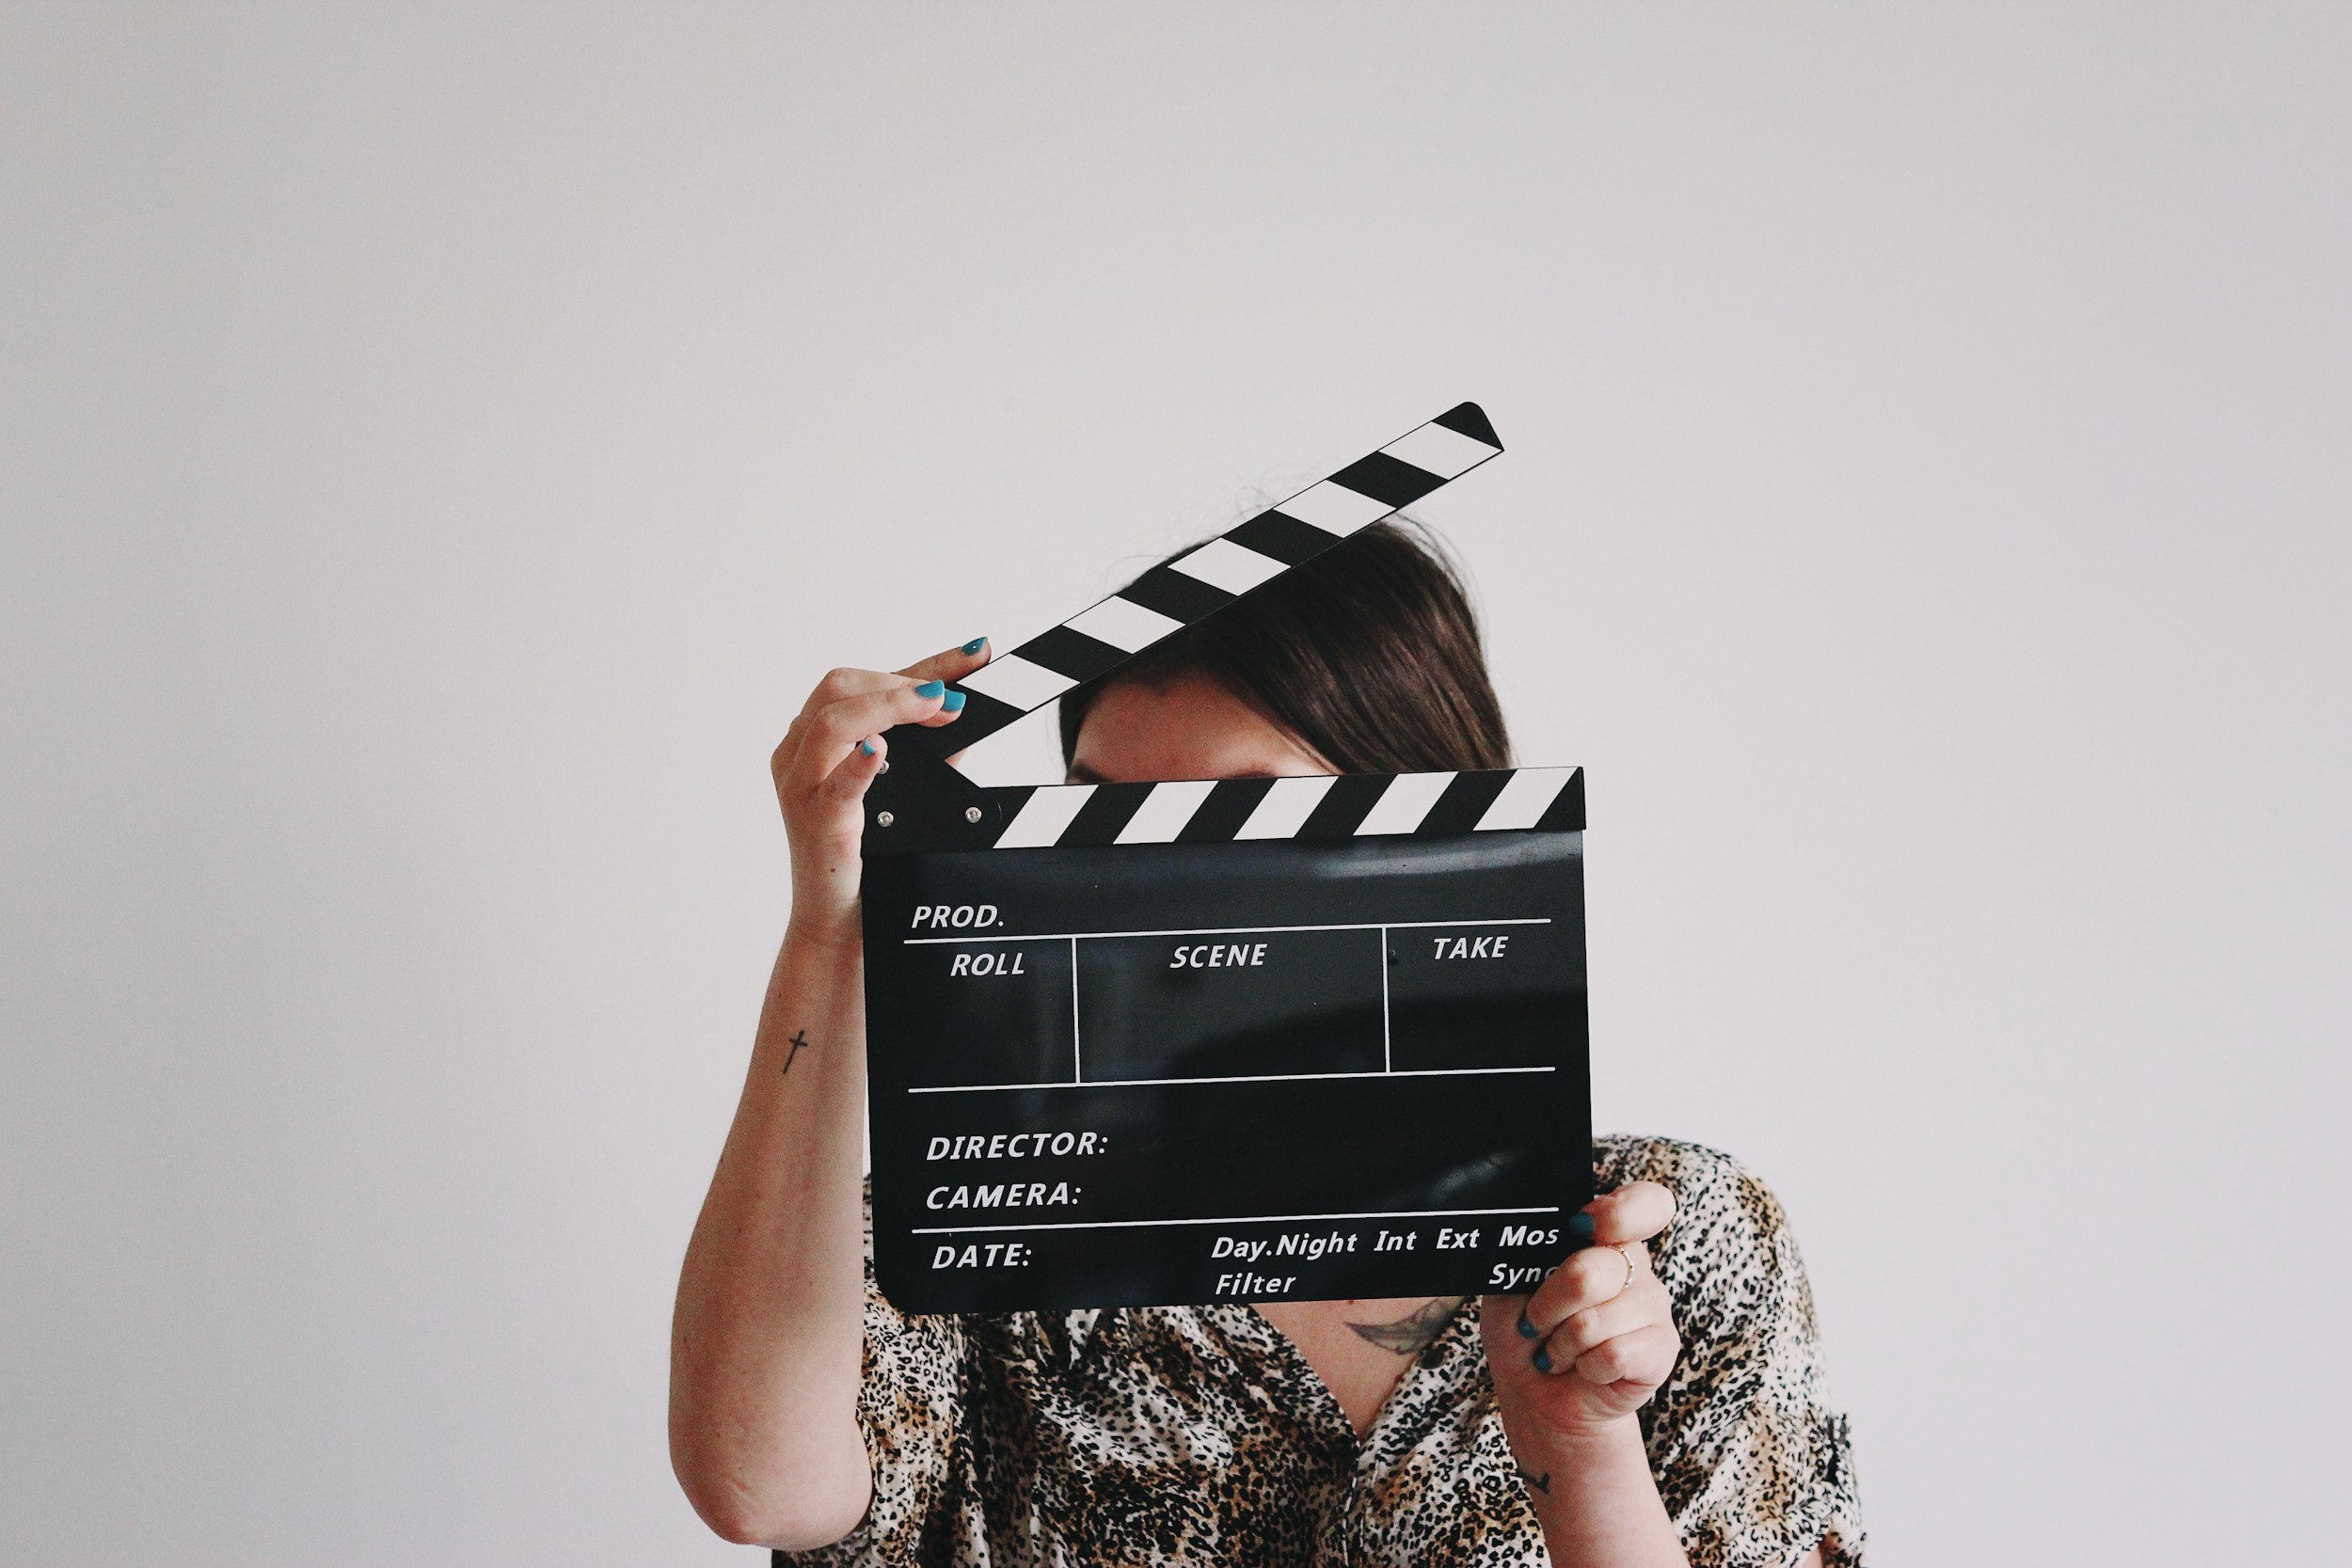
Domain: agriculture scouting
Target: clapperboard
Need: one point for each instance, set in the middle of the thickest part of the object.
(1234, 1039)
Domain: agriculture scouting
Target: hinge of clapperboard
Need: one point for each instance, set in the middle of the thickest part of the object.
(922, 803)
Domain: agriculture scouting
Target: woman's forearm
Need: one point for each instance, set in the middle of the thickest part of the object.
(765, 1342)
(765, 1346)
(1598, 1503)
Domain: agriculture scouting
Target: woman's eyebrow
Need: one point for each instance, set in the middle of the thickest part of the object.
(1080, 773)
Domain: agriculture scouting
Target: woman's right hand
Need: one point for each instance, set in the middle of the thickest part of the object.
(833, 750)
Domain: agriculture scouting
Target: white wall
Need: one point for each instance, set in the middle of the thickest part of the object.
(441, 445)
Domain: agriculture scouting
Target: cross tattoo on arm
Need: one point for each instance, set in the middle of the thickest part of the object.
(799, 1041)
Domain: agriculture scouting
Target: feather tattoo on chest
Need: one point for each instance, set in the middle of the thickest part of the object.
(1414, 1332)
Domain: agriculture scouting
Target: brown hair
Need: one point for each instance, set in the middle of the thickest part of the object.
(1369, 654)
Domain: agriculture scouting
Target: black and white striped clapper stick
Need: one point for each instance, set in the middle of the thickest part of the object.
(1165, 600)
(1319, 807)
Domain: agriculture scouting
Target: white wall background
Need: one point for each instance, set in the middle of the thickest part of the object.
(441, 444)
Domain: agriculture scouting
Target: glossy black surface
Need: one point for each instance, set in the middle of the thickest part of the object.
(1201, 1101)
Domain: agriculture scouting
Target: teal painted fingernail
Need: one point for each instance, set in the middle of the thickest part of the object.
(976, 646)
(865, 746)
(930, 689)
(1527, 1330)
(1543, 1359)
(953, 703)
(1580, 1229)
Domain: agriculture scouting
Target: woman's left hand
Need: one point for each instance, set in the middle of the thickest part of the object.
(1597, 1338)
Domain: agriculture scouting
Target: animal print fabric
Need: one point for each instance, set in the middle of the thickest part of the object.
(1199, 1435)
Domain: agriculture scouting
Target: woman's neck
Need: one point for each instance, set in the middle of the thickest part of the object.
(1362, 1349)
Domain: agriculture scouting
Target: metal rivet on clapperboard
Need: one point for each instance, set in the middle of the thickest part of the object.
(883, 819)
(971, 814)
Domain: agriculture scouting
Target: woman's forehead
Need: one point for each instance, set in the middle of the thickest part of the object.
(1187, 726)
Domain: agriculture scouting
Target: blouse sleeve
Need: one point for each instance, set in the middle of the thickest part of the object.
(910, 1409)
(1755, 1466)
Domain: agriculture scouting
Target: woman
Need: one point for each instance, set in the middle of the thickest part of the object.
(1657, 1400)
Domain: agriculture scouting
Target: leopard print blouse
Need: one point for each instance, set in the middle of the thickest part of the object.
(1199, 1435)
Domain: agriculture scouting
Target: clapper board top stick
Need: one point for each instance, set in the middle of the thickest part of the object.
(1193, 1041)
